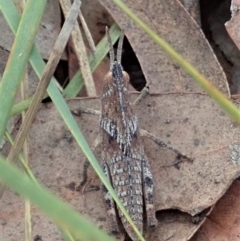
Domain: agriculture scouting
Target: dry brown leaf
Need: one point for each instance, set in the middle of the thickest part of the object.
(170, 20)
(97, 18)
(233, 26)
(223, 223)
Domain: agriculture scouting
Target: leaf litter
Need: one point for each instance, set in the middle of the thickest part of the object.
(177, 112)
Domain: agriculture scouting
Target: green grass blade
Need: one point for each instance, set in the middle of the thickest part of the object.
(21, 158)
(62, 214)
(102, 49)
(205, 84)
(19, 56)
(23, 105)
(67, 236)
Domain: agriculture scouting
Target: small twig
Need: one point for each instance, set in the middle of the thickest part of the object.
(81, 52)
(87, 33)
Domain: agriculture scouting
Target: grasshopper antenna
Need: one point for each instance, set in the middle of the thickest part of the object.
(111, 51)
(119, 49)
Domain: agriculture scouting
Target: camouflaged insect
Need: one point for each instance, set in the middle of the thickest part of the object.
(123, 159)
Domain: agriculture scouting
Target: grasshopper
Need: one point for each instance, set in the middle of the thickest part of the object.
(123, 158)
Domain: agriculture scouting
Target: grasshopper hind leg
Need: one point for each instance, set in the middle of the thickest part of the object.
(148, 195)
(84, 182)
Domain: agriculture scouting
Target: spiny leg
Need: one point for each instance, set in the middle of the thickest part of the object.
(163, 144)
(143, 94)
(82, 109)
(110, 205)
(148, 195)
(97, 141)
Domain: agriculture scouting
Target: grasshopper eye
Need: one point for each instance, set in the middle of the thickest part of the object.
(126, 77)
(108, 78)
